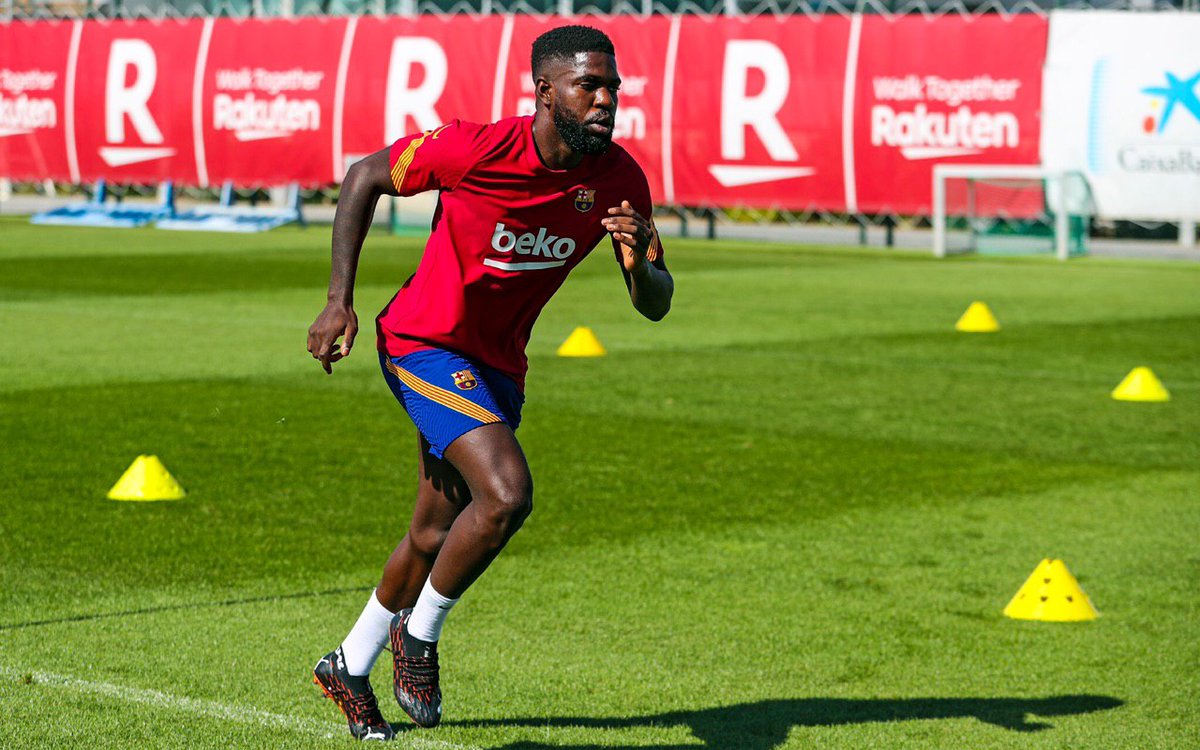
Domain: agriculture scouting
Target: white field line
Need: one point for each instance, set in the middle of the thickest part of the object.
(209, 709)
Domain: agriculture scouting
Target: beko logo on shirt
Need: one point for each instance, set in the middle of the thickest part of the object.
(542, 244)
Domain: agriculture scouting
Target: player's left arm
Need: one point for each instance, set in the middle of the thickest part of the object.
(639, 252)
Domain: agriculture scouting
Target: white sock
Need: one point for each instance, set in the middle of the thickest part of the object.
(429, 614)
(366, 638)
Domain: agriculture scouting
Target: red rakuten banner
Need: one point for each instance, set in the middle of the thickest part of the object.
(641, 66)
(412, 74)
(825, 112)
(949, 90)
(33, 109)
(757, 112)
(133, 101)
(267, 100)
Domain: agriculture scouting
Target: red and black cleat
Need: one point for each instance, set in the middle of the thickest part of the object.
(415, 674)
(353, 695)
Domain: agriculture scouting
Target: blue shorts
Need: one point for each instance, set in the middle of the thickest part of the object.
(447, 395)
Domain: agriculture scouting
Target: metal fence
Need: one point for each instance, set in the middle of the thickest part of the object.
(42, 9)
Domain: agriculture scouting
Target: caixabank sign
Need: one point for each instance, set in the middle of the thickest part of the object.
(1122, 106)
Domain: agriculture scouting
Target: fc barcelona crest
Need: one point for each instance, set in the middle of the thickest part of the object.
(465, 380)
(585, 199)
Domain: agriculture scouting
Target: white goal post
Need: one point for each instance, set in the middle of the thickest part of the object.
(1065, 194)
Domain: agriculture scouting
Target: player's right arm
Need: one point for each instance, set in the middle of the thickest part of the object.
(365, 182)
(433, 160)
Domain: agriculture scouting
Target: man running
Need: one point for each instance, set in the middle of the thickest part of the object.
(522, 201)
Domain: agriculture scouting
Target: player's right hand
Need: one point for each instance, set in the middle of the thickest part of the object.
(337, 319)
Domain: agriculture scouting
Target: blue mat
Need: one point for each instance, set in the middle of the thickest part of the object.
(230, 219)
(99, 212)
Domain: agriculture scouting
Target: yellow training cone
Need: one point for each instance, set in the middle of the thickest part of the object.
(581, 343)
(977, 319)
(146, 479)
(1141, 385)
(1051, 594)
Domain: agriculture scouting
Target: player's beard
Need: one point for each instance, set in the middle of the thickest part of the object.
(576, 135)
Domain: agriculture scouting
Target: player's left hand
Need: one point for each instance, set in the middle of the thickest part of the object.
(631, 234)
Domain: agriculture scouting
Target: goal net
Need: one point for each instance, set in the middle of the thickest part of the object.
(1009, 210)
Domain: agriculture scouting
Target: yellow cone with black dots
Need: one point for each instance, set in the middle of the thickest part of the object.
(582, 343)
(977, 319)
(1051, 594)
(146, 479)
(1141, 384)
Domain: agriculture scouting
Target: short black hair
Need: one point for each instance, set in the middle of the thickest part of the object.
(564, 42)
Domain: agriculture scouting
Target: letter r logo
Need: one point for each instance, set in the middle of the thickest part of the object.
(132, 100)
(403, 100)
(739, 110)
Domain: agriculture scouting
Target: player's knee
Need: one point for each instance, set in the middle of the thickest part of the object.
(427, 541)
(508, 504)
(512, 502)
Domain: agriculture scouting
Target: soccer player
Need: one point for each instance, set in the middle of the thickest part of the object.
(521, 202)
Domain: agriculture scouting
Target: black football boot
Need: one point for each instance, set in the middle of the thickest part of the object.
(415, 673)
(353, 695)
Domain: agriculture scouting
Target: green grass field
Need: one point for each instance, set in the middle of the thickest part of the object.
(788, 516)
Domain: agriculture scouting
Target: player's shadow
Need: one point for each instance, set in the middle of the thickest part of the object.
(765, 724)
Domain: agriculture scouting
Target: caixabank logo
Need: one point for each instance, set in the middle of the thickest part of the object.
(1175, 93)
(1144, 120)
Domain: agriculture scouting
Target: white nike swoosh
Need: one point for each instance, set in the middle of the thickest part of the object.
(120, 156)
(936, 152)
(737, 175)
(259, 135)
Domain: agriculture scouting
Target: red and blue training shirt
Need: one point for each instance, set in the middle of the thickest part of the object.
(506, 232)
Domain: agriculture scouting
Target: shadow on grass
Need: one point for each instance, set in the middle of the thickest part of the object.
(765, 725)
